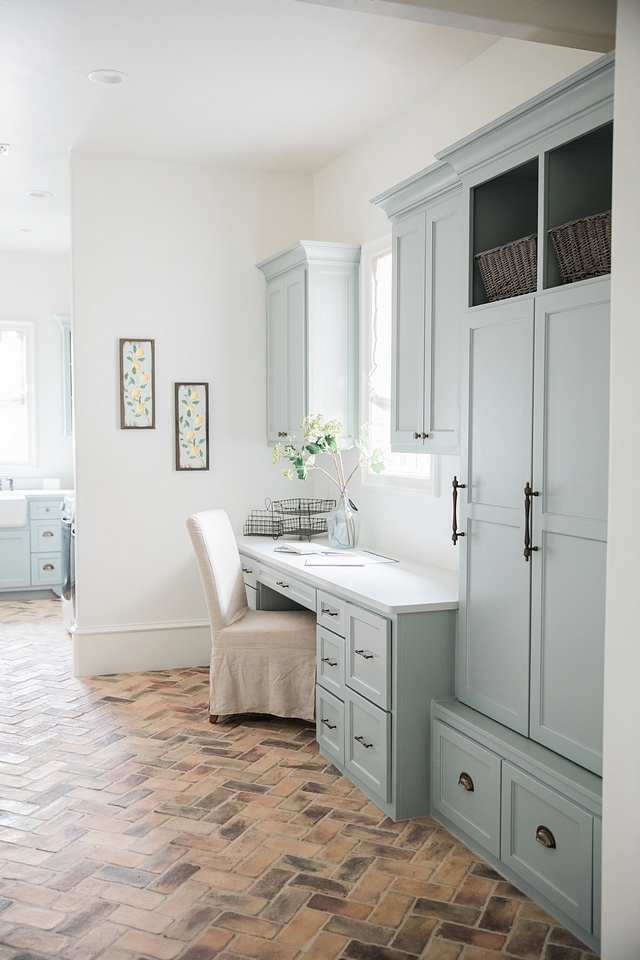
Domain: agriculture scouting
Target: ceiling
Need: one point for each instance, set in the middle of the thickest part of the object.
(271, 84)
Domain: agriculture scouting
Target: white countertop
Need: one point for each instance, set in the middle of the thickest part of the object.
(404, 587)
(35, 494)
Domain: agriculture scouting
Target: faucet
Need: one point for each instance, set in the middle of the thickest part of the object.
(2, 479)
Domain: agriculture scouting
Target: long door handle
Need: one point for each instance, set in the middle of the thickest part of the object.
(456, 486)
(528, 493)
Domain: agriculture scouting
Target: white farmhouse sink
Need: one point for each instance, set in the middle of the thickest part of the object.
(13, 509)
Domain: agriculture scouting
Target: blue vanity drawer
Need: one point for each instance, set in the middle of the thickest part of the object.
(44, 509)
(368, 744)
(466, 785)
(330, 661)
(330, 725)
(332, 613)
(45, 569)
(45, 536)
(548, 840)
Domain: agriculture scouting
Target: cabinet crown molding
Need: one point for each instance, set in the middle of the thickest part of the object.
(579, 97)
(433, 183)
(311, 251)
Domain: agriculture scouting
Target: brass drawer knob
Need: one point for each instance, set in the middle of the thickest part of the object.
(546, 838)
(282, 433)
(465, 781)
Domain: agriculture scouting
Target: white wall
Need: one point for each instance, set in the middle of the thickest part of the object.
(167, 250)
(35, 286)
(621, 822)
(408, 522)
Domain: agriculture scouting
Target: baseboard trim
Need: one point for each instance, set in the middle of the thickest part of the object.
(136, 647)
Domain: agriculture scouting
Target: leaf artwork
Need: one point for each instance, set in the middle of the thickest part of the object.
(192, 427)
(137, 383)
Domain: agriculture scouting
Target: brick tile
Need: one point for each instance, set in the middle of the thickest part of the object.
(441, 950)
(499, 914)
(356, 950)
(479, 938)
(392, 910)
(261, 950)
(31, 916)
(207, 946)
(148, 920)
(415, 933)
(527, 939)
(454, 912)
(371, 887)
(474, 892)
(306, 923)
(326, 946)
(271, 883)
(345, 908)
(249, 925)
(151, 946)
(359, 930)
(320, 884)
(285, 906)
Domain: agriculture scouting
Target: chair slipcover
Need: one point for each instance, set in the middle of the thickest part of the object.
(262, 661)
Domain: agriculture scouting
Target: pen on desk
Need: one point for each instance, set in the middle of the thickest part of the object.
(382, 557)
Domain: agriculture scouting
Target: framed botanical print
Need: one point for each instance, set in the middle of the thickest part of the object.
(137, 385)
(192, 426)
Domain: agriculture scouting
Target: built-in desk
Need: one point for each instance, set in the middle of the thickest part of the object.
(385, 649)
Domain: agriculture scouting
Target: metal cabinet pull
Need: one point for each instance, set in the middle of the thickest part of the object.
(420, 436)
(456, 486)
(48, 566)
(48, 533)
(280, 583)
(465, 781)
(247, 570)
(546, 838)
(528, 549)
(365, 656)
(332, 663)
(327, 612)
(332, 726)
(282, 433)
(363, 742)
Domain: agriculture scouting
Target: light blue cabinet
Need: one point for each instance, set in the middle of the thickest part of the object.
(15, 559)
(312, 336)
(427, 300)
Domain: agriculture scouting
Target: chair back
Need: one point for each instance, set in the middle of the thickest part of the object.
(219, 562)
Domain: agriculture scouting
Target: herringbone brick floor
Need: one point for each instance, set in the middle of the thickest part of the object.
(132, 828)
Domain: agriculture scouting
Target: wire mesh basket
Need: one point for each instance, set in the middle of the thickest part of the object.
(300, 517)
(510, 270)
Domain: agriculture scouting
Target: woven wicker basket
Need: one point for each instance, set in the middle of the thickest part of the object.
(510, 270)
(583, 247)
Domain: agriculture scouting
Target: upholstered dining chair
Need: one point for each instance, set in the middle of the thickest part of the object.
(262, 661)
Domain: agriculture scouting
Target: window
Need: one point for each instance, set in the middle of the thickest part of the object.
(16, 400)
(376, 267)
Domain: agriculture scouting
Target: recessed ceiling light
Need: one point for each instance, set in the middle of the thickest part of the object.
(38, 194)
(4, 149)
(26, 230)
(108, 76)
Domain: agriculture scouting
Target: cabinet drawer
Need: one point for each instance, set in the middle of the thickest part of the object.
(330, 660)
(45, 536)
(368, 655)
(44, 509)
(249, 571)
(466, 785)
(368, 744)
(331, 613)
(288, 586)
(548, 840)
(330, 724)
(45, 569)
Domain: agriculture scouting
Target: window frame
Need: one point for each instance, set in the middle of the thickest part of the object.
(28, 326)
(369, 252)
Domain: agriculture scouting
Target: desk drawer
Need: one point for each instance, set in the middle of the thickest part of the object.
(45, 536)
(466, 785)
(330, 725)
(330, 661)
(288, 586)
(368, 744)
(368, 655)
(548, 840)
(332, 613)
(249, 571)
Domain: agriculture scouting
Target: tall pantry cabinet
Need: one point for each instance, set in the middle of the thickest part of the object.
(517, 755)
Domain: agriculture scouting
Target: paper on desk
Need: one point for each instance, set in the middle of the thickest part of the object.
(347, 560)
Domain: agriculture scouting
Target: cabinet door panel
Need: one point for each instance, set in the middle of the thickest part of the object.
(294, 294)
(444, 308)
(409, 361)
(15, 558)
(569, 521)
(493, 623)
(277, 402)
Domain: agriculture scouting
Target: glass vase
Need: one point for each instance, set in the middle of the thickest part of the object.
(343, 524)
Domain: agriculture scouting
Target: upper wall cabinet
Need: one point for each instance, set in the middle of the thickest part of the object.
(427, 302)
(312, 336)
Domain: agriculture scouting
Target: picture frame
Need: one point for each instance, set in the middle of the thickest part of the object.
(137, 383)
(192, 426)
